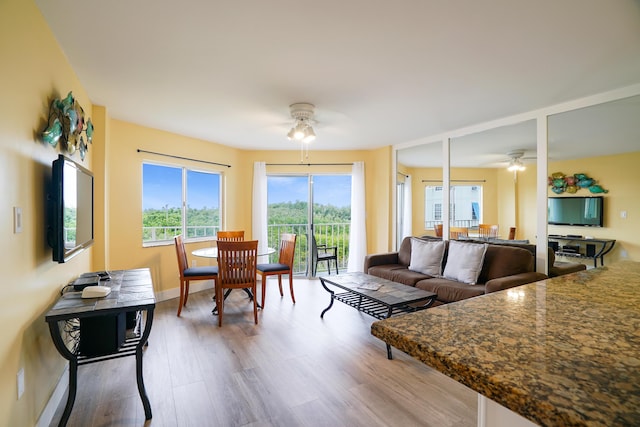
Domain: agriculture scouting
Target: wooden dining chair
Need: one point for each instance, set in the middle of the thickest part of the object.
(231, 235)
(457, 232)
(283, 266)
(190, 273)
(488, 230)
(236, 270)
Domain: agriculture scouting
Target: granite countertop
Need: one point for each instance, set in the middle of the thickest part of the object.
(562, 351)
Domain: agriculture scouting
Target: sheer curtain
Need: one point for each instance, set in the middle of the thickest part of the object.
(407, 209)
(358, 232)
(259, 208)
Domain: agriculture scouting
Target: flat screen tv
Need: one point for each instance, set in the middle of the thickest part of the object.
(71, 202)
(579, 211)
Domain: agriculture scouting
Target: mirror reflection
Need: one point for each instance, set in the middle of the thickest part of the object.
(418, 167)
(493, 180)
(601, 143)
(489, 186)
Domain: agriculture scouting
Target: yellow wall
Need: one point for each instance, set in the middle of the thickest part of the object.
(124, 171)
(34, 71)
(124, 196)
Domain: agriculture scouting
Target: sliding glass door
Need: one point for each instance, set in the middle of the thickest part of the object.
(305, 204)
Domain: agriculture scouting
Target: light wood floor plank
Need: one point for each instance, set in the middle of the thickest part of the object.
(292, 369)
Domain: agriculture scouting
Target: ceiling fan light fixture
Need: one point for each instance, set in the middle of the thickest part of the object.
(515, 164)
(309, 135)
(302, 130)
(298, 131)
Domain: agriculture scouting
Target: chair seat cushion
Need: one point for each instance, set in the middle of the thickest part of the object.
(270, 268)
(201, 271)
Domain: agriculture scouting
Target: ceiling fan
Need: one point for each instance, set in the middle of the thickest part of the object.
(516, 158)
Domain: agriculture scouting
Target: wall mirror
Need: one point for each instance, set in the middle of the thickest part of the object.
(417, 167)
(603, 142)
(493, 181)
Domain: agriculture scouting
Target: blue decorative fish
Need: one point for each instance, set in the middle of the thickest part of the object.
(584, 183)
(597, 189)
(52, 134)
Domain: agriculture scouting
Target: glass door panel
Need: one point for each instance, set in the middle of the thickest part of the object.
(288, 212)
(331, 217)
(288, 200)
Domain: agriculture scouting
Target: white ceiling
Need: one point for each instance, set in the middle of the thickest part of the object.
(379, 72)
(603, 129)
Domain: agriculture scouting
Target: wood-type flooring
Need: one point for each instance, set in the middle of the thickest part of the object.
(292, 369)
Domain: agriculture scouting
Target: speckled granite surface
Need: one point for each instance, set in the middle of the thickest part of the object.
(560, 352)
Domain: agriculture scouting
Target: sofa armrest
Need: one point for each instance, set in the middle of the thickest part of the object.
(507, 282)
(380, 259)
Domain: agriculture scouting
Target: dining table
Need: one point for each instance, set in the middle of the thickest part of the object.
(212, 252)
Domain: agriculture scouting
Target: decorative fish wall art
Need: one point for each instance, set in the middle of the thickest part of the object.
(561, 183)
(66, 124)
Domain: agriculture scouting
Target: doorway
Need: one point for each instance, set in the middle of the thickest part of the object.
(310, 203)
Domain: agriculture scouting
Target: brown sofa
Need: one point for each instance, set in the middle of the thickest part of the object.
(556, 268)
(503, 267)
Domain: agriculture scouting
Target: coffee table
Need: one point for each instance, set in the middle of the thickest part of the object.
(377, 297)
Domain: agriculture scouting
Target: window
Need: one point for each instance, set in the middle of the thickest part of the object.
(177, 200)
(466, 205)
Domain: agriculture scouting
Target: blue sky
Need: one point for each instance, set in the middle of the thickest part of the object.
(163, 186)
(327, 189)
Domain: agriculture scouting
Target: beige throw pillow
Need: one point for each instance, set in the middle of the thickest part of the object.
(464, 261)
(426, 256)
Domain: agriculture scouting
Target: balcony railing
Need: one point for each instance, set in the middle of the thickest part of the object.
(332, 234)
(160, 234)
(469, 223)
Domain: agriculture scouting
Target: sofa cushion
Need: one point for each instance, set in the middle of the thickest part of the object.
(449, 290)
(464, 261)
(427, 256)
(503, 260)
(404, 253)
(397, 273)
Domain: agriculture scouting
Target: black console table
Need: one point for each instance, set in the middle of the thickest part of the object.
(600, 247)
(132, 298)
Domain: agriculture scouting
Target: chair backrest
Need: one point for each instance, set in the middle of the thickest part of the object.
(438, 229)
(512, 233)
(231, 235)
(181, 253)
(314, 249)
(287, 249)
(488, 230)
(237, 263)
(456, 232)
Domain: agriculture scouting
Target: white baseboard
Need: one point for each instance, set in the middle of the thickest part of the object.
(59, 395)
(198, 286)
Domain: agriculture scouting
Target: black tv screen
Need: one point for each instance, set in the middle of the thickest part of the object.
(580, 211)
(71, 200)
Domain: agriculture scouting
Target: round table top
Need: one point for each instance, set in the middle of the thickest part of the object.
(212, 252)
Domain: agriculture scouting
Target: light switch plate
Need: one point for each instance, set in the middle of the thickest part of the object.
(17, 219)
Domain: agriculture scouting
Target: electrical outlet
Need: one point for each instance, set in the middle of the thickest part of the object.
(194, 263)
(20, 381)
(623, 214)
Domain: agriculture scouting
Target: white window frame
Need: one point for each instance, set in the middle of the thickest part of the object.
(184, 202)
